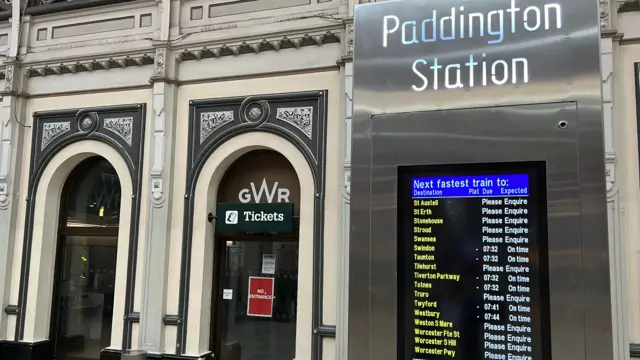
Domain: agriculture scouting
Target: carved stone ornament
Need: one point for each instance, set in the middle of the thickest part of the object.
(300, 117)
(156, 189)
(8, 78)
(159, 65)
(123, 127)
(347, 183)
(255, 113)
(210, 122)
(610, 176)
(348, 51)
(604, 14)
(52, 131)
(4, 198)
(87, 122)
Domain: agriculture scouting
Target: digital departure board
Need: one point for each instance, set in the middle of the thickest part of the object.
(472, 262)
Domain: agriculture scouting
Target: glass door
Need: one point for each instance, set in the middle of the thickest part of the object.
(257, 284)
(85, 296)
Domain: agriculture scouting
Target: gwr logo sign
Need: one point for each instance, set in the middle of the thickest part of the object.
(252, 194)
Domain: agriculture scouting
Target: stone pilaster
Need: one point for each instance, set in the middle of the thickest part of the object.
(343, 255)
(11, 134)
(11, 130)
(617, 253)
(156, 255)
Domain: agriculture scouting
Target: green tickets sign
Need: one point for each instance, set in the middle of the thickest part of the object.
(254, 218)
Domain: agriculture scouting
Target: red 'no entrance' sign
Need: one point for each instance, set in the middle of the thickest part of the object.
(260, 302)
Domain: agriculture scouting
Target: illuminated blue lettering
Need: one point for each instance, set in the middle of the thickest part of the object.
(425, 28)
(457, 23)
(496, 28)
(412, 25)
(451, 19)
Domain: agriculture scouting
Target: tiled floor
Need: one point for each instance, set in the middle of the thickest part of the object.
(258, 339)
(265, 340)
(90, 351)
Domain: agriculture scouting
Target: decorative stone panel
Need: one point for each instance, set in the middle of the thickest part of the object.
(349, 42)
(299, 118)
(122, 128)
(605, 14)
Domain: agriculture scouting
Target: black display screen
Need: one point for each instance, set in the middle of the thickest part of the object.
(473, 262)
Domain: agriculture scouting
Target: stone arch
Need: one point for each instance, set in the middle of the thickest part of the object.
(46, 199)
(120, 129)
(297, 119)
(206, 189)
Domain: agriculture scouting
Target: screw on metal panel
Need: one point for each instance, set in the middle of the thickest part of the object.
(563, 124)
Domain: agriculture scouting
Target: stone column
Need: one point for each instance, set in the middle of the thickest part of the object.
(158, 222)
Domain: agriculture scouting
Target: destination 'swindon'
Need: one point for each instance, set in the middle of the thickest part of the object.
(469, 249)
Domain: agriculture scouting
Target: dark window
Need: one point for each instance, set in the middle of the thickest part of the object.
(94, 196)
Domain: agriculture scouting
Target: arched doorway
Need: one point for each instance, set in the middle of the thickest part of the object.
(239, 330)
(84, 280)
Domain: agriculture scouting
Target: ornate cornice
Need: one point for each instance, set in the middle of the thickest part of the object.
(91, 65)
(159, 55)
(257, 46)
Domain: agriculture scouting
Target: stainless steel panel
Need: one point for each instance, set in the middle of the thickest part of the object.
(449, 140)
(563, 68)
